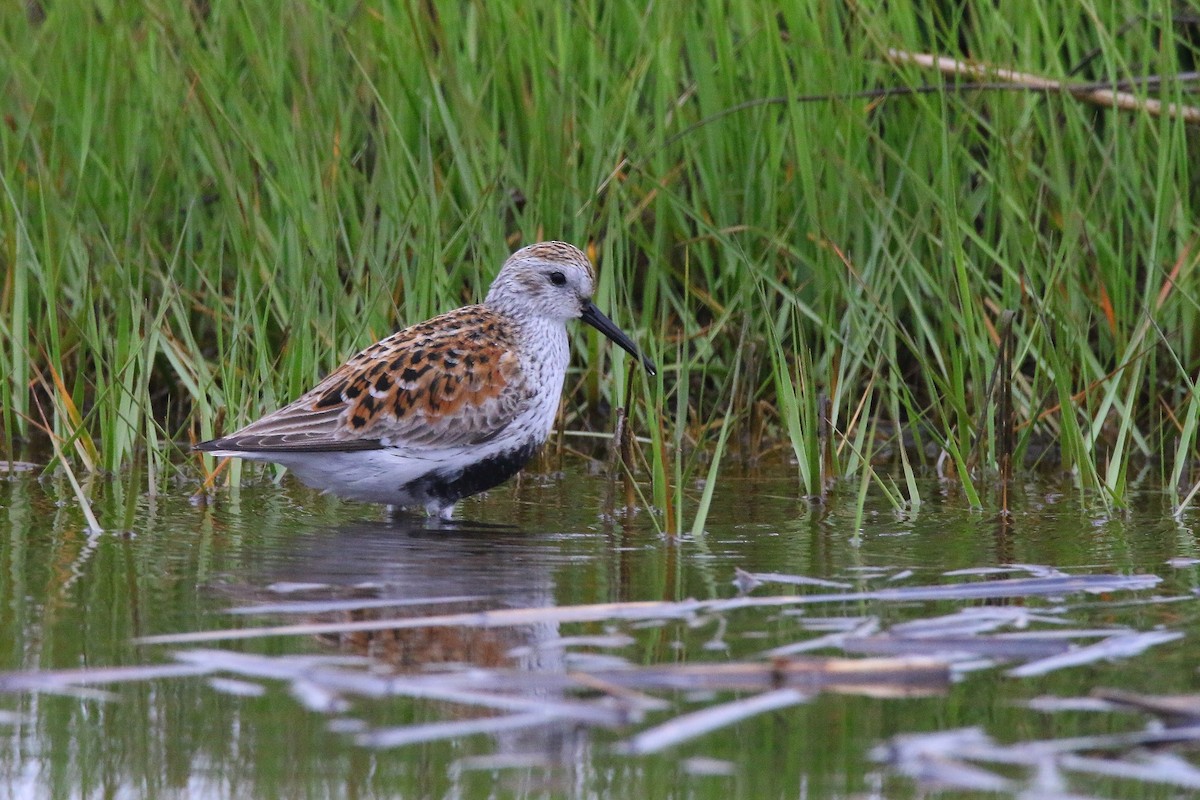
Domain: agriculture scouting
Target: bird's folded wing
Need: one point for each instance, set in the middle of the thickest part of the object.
(450, 382)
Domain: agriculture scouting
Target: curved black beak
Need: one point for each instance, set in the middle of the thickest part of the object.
(594, 317)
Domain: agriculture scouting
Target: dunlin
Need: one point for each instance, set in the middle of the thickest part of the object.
(446, 408)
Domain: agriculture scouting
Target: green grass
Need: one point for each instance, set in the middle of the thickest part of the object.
(206, 206)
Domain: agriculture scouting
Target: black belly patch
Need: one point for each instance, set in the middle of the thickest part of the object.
(450, 486)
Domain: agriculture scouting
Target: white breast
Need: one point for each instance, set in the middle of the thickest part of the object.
(544, 355)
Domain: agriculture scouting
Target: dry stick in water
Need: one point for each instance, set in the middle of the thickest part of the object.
(1004, 410)
(84, 506)
(435, 731)
(620, 454)
(506, 617)
(689, 726)
(999, 388)
(626, 445)
(1055, 586)
(825, 444)
(1110, 98)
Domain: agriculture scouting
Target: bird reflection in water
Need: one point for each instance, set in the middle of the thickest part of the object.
(403, 569)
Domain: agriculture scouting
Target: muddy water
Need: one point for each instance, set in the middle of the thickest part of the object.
(70, 601)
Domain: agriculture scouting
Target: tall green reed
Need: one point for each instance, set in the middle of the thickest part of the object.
(206, 206)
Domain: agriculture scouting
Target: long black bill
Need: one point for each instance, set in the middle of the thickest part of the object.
(594, 317)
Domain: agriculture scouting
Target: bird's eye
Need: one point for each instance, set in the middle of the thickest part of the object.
(557, 278)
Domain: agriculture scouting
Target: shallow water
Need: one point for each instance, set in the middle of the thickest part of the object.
(69, 601)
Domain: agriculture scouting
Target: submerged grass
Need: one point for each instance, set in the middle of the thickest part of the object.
(206, 206)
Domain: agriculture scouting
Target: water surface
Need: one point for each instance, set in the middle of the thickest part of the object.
(70, 600)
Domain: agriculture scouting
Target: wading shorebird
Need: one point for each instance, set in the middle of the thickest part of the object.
(446, 408)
